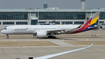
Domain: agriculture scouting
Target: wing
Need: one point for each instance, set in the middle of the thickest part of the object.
(64, 30)
(55, 31)
(59, 30)
(62, 53)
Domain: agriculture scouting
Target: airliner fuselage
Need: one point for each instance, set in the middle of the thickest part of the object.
(31, 29)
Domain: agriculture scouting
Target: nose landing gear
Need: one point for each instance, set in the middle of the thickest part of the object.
(7, 36)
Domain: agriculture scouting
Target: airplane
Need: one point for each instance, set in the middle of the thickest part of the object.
(50, 30)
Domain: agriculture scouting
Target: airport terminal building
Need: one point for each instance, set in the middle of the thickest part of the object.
(47, 15)
(41, 16)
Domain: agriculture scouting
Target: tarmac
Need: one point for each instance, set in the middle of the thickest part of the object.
(24, 46)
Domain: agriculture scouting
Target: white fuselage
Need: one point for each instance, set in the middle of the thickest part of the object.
(31, 29)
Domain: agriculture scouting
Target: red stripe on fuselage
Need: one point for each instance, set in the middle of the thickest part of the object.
(83, 27)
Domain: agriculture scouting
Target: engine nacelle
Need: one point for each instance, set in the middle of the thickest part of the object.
(41, 34)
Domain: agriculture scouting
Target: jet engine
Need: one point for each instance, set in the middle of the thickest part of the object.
(41, 34)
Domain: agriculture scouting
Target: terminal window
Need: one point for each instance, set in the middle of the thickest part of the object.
(13, 15)
(101, 22)
(21, 23)
(42, 23)
(57, 22)
(102, 15)
(79, 22)
(8, 23)
(67, 22)
(61, 15)
(54, 22)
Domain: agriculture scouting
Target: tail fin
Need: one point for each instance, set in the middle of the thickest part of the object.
(90, 24)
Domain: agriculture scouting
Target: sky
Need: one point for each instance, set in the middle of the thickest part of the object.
(61, 4)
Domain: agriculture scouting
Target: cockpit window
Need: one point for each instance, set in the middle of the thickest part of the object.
(5, 28)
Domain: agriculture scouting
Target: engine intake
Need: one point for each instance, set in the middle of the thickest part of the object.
(41, 34)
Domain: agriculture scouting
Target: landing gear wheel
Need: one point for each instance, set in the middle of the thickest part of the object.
(7, 36)
(34, 34)
(51, 37)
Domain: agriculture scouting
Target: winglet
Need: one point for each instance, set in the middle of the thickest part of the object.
(62, 53)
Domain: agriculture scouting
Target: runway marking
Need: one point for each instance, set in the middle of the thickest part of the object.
(54, 46)
(98, 34)
(14, 40)
(37, 39)
(88, 32)
(63, 40)
(23, 47)
(79, 33)
(87, 40)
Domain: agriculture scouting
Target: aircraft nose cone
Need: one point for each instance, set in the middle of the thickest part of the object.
(2, 32)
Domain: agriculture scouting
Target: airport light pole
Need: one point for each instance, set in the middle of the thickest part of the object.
(91, 11)
(98, 20)
(30, 16)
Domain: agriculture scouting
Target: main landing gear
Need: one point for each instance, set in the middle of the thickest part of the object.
(51, 37)
(7, 36)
